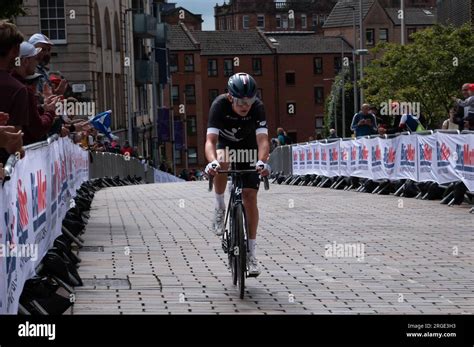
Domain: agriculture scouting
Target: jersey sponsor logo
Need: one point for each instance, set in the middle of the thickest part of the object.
(262, 124)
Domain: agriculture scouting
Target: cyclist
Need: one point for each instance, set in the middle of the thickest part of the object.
(237, 123)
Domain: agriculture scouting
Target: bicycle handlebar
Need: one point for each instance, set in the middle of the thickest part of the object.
(266, 183)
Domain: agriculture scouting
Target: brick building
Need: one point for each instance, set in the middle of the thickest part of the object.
(456, 12)
(281, 62)
(380, 23)
(270, 15)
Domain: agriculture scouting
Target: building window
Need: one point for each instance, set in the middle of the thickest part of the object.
(409, 32)
(291, 108)
(175, 94)
(383, 35)
(192, 125)
(190, 92)
(319, 122)
(228, 67)
(337, 64)
(192, 155)
(304, 21)
(315, 21)
(319, 95)
(284, 21)
(189, 63)
(369, 37)
(212, 67)
(245, 22)
(260, 93)
(257, 66)
(52, 20)
(173, 63)
(278, 21)
(318, 65)
(290, 78)
(292, 22)
(261, 21)
(213, 93)
(322, 19)
(177, 156)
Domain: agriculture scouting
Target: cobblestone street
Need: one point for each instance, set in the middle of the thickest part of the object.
(148, 249)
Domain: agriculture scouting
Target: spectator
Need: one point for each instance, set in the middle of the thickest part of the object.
(332, 133)
(468, 105)
(410, 123)
(14, 95)
(283, 137)
(364, 123)
(163, 166)
(127, 149)
(319, 137)
(43, 42)
(40, 120)
(449, 123)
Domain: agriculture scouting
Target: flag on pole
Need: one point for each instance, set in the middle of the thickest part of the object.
(102, 123)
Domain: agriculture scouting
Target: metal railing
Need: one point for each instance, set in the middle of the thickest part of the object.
(281, 160)
(106, 164)
(14, 158)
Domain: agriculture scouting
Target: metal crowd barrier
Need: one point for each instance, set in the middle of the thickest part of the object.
(108, 164)
(280, 158)
(13, 158)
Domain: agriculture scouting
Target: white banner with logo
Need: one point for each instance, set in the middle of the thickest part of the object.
(439, 157)
(33, 204)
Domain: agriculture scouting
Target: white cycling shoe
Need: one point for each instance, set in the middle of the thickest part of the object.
(254, 268)
(218, 222)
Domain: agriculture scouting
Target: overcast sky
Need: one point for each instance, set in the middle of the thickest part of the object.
(204, 7)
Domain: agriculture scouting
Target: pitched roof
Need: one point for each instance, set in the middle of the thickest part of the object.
(413, 16)
(309, 43)
(179, 40)
(231, 42)
(342, 15)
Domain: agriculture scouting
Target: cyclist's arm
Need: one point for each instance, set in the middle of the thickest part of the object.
(211, 145)
(263, 147)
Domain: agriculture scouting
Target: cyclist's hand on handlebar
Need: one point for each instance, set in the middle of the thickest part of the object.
(263, 168)
(211, 168)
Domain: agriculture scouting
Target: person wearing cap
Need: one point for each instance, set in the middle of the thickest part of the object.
(42, 119)
(42, 41)
(468, 105)
(14, 95)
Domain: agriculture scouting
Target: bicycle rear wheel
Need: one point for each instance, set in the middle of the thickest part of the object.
(240, 248)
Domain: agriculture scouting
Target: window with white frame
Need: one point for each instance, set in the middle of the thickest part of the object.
(245, 22)
(304, 21)
(53, 20)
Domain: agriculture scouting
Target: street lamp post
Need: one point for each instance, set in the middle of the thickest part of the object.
(402, 9)
(343, 90)
(361, 39)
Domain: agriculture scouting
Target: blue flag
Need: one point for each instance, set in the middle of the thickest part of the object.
(102, 123)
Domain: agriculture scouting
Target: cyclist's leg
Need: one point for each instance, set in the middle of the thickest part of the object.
(220, 182)
(251, 184)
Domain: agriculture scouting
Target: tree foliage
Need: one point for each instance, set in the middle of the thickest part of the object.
(11, 8)
(430, 70)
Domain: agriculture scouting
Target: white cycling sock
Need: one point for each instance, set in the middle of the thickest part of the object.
(220, 203)
(253, 247)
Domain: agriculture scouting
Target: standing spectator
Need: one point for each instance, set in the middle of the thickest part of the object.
(449, 123)
(468, 106)
(126, 149)
(43, 42)
(283, 137)
(14, 95)
(461, 112)
(332, 133)
(364, 123)
(40, 121)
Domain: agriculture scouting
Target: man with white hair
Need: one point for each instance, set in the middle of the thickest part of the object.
(42, 41)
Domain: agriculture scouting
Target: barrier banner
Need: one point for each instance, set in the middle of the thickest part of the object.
(33, 204)
(439, 157)
(329, 166)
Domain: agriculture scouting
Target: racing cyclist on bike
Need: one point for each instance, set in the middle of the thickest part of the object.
(237, 122)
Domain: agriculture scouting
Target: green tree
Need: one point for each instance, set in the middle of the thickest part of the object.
(11, 8)
(430, 70)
